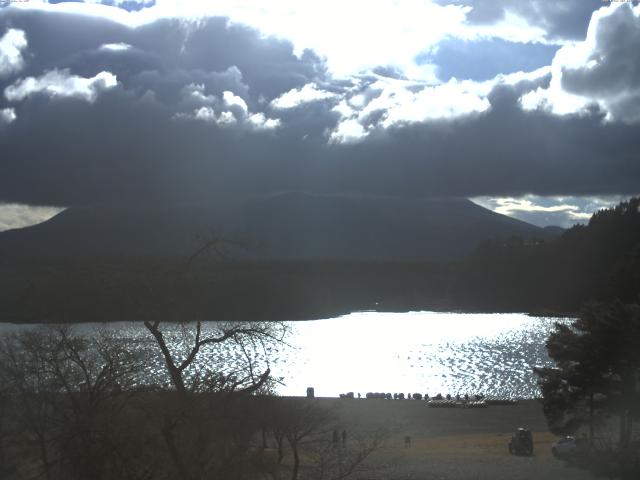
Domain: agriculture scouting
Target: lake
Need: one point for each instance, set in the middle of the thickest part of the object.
(414, 352)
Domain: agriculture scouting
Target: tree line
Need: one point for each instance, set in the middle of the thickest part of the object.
(593, 390)
(598, 261)
(55, 290)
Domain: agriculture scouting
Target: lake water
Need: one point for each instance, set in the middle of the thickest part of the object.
(415, 352)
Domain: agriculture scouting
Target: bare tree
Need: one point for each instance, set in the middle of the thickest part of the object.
(66, 394)
(202, 430)
(200, 427)
(242, 335)
(246, 336)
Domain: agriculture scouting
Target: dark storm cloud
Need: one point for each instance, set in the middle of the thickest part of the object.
(131, 151)
(55, 39)
(168, 132)
(164, 47)
(567, 19)
(504, 152)
(508, 152)
(170, 86)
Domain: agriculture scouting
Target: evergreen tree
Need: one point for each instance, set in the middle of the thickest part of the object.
(597, 367)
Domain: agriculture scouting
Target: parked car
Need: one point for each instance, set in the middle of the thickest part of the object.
(521, 442)
(565, 447)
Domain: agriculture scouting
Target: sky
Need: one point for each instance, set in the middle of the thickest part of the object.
(530, 108)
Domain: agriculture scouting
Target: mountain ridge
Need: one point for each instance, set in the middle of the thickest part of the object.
(284, 226)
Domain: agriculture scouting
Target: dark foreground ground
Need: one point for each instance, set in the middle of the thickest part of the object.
(155, 436)
(453, 443)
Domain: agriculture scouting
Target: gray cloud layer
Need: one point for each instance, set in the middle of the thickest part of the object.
(168, 132)
(614, 75)
(561, 20)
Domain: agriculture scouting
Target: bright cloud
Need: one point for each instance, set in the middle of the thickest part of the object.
(115, 47)
(233, 110)
(299, 96)
(388, 102)
(347, 131)
(354, 36)
(260, 122)
(206, 114)
(450, 100)
(231, 101)
(508, 206)
(600, 72)
(61, 83)
(391, 102)
(12, 46)
(543, 211)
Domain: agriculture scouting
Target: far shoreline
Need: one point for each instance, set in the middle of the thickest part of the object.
(460, 311)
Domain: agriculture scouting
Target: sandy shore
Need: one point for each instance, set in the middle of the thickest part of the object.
(453, 443)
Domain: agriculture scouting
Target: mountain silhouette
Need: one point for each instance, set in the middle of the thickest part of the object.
(287, 226)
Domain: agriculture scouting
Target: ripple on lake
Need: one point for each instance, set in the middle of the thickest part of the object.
(423, 352)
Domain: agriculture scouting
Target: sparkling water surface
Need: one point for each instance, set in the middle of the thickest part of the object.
(414, 352)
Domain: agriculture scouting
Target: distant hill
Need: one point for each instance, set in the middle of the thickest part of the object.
(597, 261)
(289, 226)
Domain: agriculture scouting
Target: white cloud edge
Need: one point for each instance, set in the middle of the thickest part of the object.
(555, 99)
(352, 45)
(12, 45)
(399, 104)
(297, 97)
(230, 110)
(563, 211)
(61, 83)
